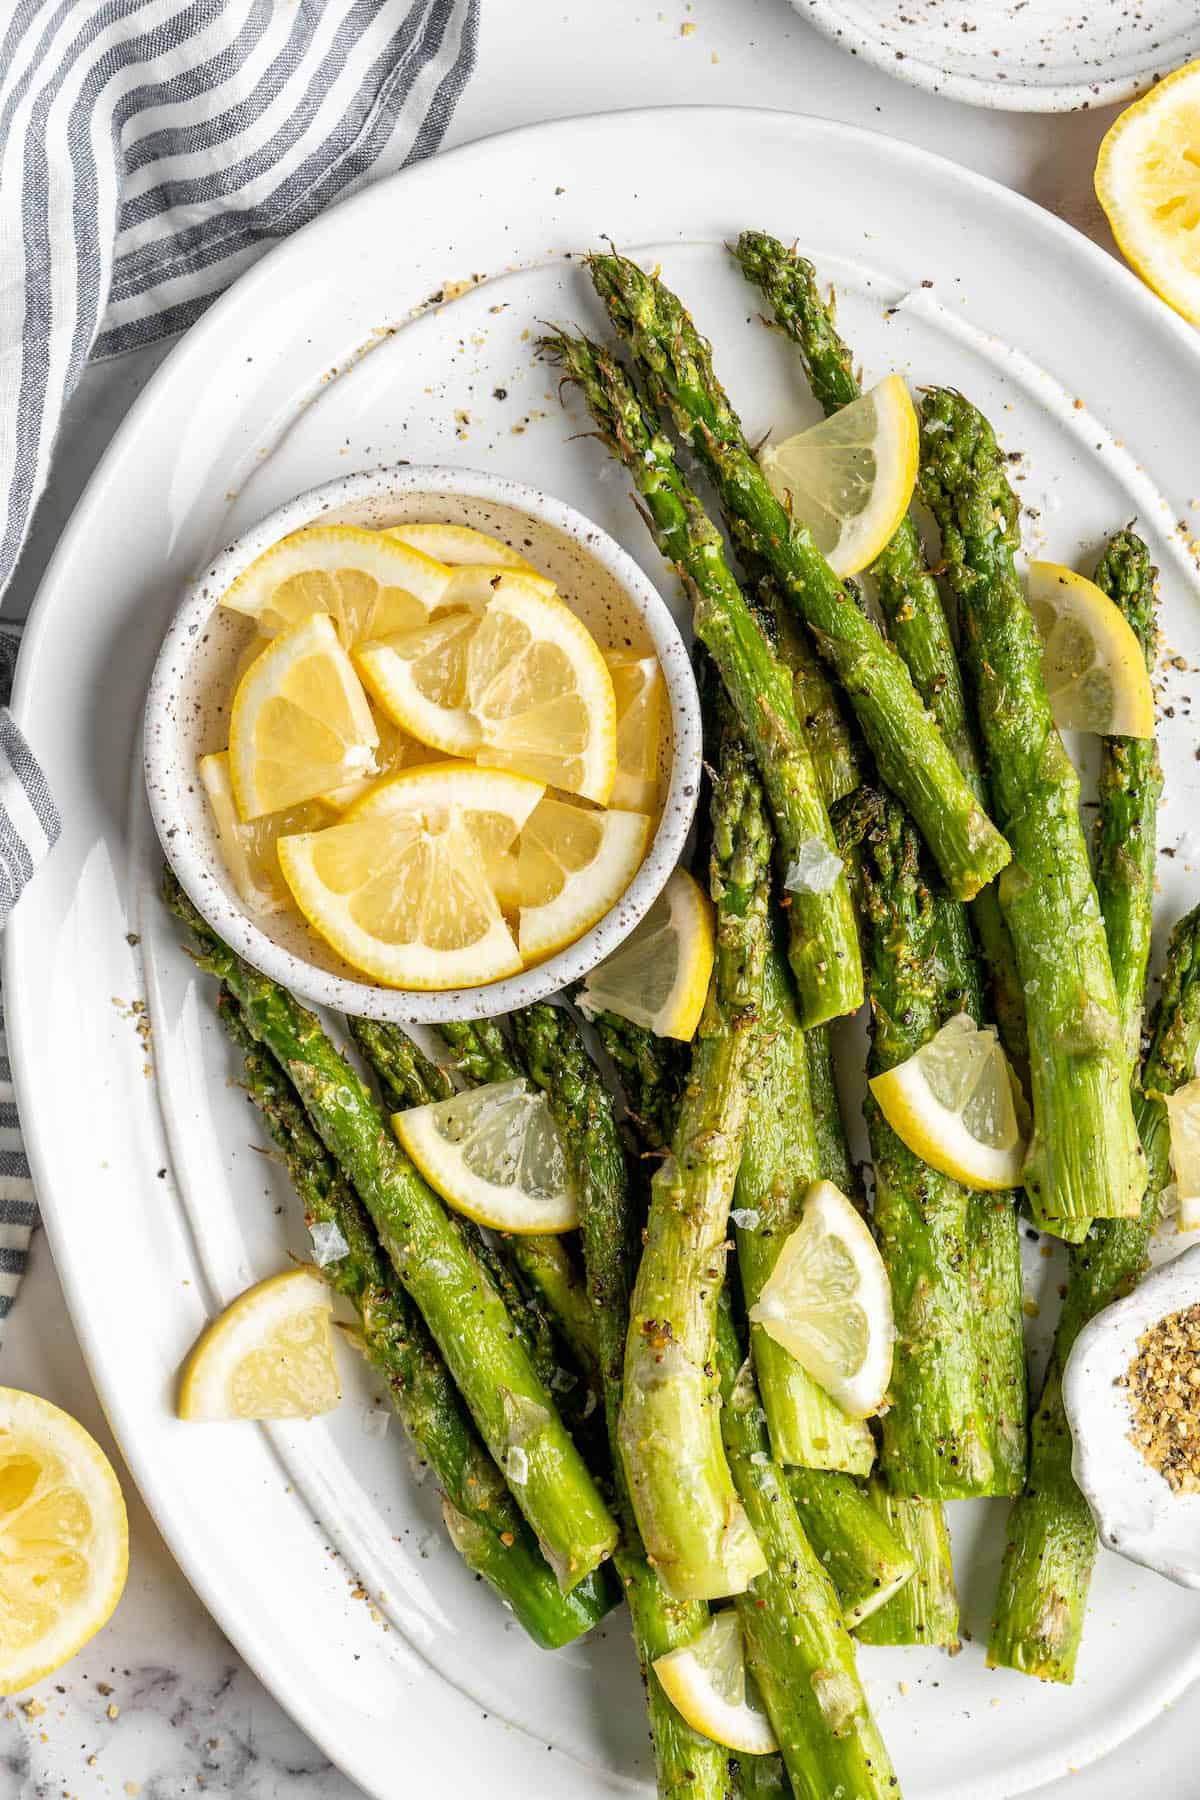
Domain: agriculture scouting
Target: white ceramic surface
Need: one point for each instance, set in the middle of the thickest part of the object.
(1137, 1514)
(189, 688)
(256, 1517)
(1015, 55)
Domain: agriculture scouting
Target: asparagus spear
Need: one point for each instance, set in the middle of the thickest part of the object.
(1084, 1160)
(779, 1160)
(653, 1072)
(913, 757)
(407, 1076)
(1131, 785)
(797, 1646)
(925, 1609)
(469, 1322)
(554, 1054)
(483, 1521)
(691, 1521)
(908, 593)
(1044, 1581)
(948, 1433)
(823, 949)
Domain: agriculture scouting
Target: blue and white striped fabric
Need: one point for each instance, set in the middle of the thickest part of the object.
(150, 151)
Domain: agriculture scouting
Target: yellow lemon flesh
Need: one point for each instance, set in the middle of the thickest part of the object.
(1093, 665)
(659, 976)
(368, 583)
(572, 865)
(640, 693)
(956, 1104)
(495, 1154)
(707, 1684)
(1148, 182)
(64, 1539)
(269, 1355)
(850, 479)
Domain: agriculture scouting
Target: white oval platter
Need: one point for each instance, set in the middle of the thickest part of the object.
(1017, 55)
(400, 326)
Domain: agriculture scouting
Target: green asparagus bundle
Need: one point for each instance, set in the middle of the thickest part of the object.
(951, 1432)
(469, 1322)
(1131, 785)
(1042, 1598)
(689, 1767)
(908, 593)
(691, 1521)
(823, 948)
(481, 1517)
(797, 1646)
(1084, 1161)
(912, 756)
(925, 1609)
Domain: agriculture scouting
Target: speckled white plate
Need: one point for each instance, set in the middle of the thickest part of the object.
(1016, 55)
(346, 348)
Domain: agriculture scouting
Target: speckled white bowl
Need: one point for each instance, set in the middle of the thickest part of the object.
(186, 716)
(1137, 1513)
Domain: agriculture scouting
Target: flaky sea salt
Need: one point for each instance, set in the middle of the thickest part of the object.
(746, 1218)
(814, 869)
(329, 1246)
(516, 1465)
(375, 1421)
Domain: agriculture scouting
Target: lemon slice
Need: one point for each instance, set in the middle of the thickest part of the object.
(850, 479)
(659, 976)
(1148, 182)
(494, 1153)
(401, 889)
(460, 545)
(268, 1356)
(572, 866)
(541, 694)
(419, 679)
(640, 693)
(829, 1303)
(1093, 665)
(249, 850)
(64, 1539)
(707, 1683)
(955, 1104)
(366, 581)
(1183, 1113)
(394, 751)
(300, 723)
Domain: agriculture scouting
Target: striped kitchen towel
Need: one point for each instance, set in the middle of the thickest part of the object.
(28, 827)
(150, 151)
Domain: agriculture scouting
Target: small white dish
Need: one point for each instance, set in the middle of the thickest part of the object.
(1136, 1511)
(187, 715)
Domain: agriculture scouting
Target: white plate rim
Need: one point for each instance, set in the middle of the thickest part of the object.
(974, 90)
(21, 992)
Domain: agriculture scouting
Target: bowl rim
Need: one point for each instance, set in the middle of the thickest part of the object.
(165, 774)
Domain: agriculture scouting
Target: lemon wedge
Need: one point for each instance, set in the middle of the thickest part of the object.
(540, 692)
(707, 1683)
(957, 1106)
(494, 1153)
(1148, 182)
(64, 1538)
(419, 679)
(460, 546)
(249, 850)
(829, 1303)
(659, 976)
(572, 865)
(1183, 1114)
(368, 583)
(850, 479)
(640, 692)
(268, 1356)
(401, 887)
(1093, 665)
(300, 723)
(395, 750)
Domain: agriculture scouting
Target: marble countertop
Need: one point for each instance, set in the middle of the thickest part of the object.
(160, 1704)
